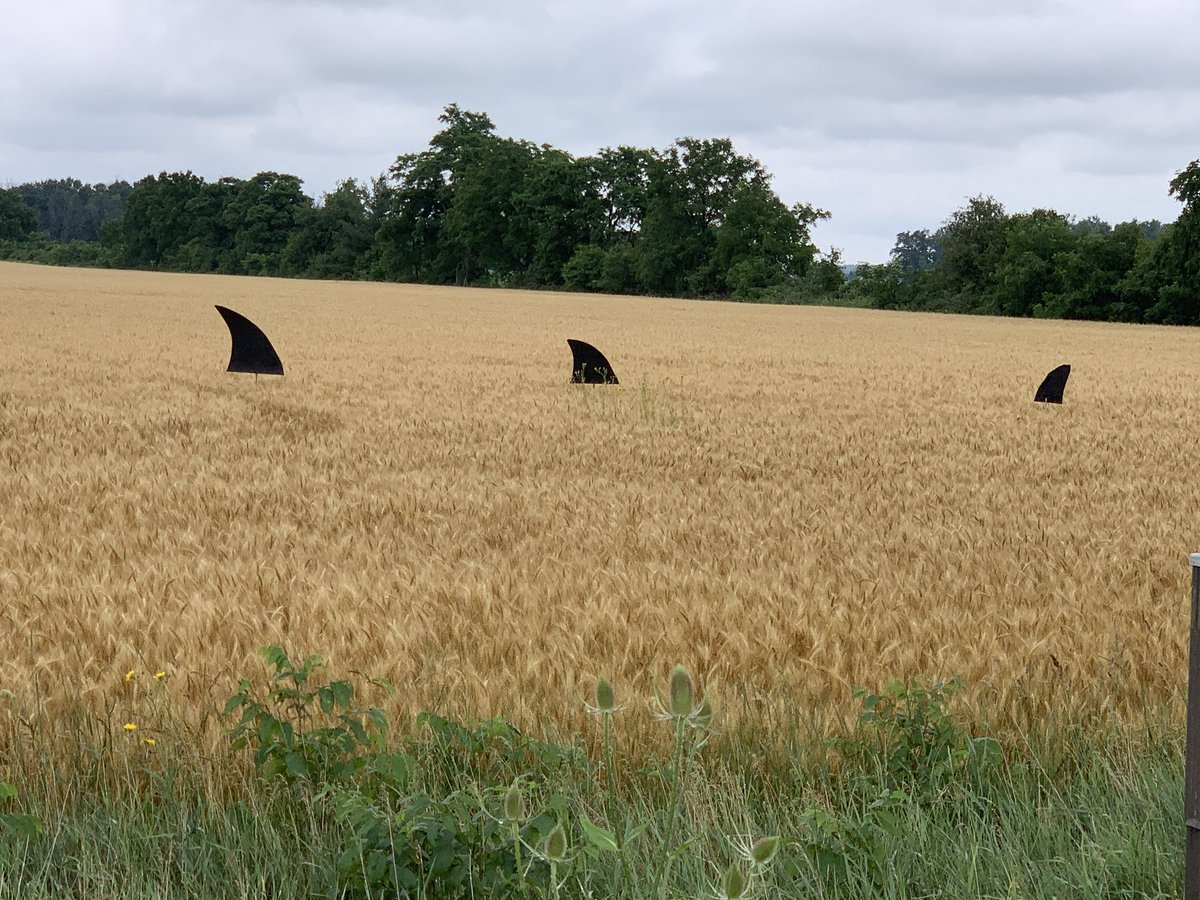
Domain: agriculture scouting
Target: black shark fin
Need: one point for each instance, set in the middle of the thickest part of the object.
(589, 366)
(252, 352)
(1053, 385)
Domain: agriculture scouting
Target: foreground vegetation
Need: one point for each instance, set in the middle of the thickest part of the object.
(311, 795)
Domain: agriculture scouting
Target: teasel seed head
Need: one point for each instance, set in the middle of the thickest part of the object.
(514, 804)
(555, 845)
(764, 850)
(735, 883)
(606, 698)
(683, 695)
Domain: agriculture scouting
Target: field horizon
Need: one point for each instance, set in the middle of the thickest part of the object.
(788, 500)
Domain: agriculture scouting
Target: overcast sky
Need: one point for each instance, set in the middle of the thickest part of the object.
(888, 114)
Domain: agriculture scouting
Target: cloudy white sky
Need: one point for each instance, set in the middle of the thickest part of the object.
(889, 114)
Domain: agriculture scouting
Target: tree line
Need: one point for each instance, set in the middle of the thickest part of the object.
(1042, 263)
(694, 219)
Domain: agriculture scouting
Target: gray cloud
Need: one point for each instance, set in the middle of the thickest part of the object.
(889, 115)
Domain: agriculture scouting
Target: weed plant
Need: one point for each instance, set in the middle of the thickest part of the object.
(313, 795)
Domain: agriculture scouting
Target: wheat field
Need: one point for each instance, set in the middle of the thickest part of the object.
(788, 500)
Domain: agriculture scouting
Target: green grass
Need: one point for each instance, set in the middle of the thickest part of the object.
(909, 802)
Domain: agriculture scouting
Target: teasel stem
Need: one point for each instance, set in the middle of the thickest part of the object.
(610, 774)
(673, 811)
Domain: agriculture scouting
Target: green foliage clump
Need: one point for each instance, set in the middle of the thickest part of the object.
(908, 738)
(17, 220)
(1043, 263)
(696, 218)
(302, 730)
(837, 848)
(434, 836)
(906, 753)
(17, 824)
(448, 846)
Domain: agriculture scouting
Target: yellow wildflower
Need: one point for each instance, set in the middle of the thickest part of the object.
(129, 726)
(160, 674)
(129, 675)
(149, 742)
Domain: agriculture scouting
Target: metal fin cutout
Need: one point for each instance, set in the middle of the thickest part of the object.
(1052, 386)
(589, 365)
(252, 351)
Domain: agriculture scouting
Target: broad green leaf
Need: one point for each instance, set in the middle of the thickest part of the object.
(378, 718)
(275, 658)
(297, 765)
(632, 833)
(343, 693)
(21, 825)
(600, 837)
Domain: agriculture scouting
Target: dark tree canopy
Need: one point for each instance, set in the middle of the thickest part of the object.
(17, 220)
(691, 219)
(69, 210)
(1042, 263)
(916, 251)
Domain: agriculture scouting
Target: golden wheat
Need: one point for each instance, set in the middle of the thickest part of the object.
(788, 500)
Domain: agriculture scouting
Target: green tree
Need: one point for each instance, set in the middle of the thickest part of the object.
(1138, 289)
(619, 273)
(692, 186)
(672, 244)
(888, 286)
(761, 244)
(210, 248)
(69, 210)
(1090, 277)
(916, 251)
(413, 242)
(485, 207)
(556, 210)
(261, 214)
(825, 277)
(1165, 279)
(972, 241)
(1025, 266)
(620, 179)
(695, 218)
(332, 237)
(157, 221)
(584, 271)
(17, 220)
(1091, 225)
